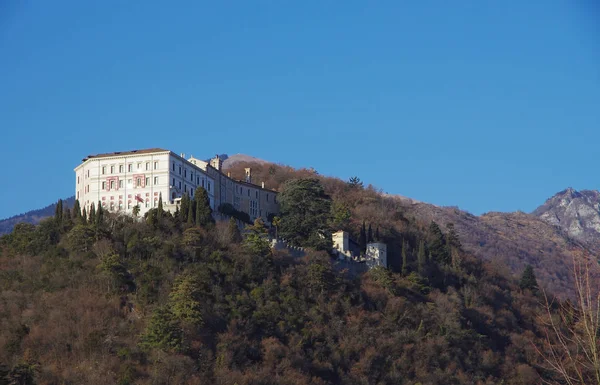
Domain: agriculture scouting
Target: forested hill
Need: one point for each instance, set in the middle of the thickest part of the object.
(33, 216)
(179, 299)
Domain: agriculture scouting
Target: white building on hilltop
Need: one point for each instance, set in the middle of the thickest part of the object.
(121, 180)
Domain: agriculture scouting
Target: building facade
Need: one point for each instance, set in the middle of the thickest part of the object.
(119, 181)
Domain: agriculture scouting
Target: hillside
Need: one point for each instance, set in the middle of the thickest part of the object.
(514, 240)
(510, 240)
(178, 299)
(565, 227)
(33, 216)
(170, 301)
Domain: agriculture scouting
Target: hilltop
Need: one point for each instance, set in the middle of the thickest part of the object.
(563, 228)
(179, 299)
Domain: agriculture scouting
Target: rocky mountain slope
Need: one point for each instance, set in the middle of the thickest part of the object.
(514, 240)
(576, 212)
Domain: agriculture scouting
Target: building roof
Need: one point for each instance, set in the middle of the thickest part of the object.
(121, 153)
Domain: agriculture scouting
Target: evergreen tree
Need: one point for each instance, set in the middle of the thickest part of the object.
(99, 215)
(528, 280)
(257, 238)
(184, 209)
(184, 302)
(305, 211)
(76, 211)
(370, 234)
(355, 182)
(377, 237)
(362, 238)
(437, 244)
(234, 231)
(67, 221)
(84, 216)
(203, 211)
(421, 258)
(159, 213)
(163, 331)
(340, 215)
(92, 218)
(191, 216)
(58, 211)
(404, 258)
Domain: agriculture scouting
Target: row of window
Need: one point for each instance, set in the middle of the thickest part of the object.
(139, 182)
(121, 168)
(240, 190)
(207, 187)
(112, 205)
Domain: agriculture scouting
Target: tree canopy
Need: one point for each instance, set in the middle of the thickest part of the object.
(305, 211)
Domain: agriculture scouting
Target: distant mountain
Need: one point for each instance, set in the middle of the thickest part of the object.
(576, 212)
(33, 216)
(230, 161)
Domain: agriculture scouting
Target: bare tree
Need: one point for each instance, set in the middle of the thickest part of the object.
(572, 330)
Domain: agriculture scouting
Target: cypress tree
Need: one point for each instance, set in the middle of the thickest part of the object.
(92, 218)
(99, 215)
(191, 220)
(76, 210)
(362, 240)
(377, 238)
(159, 213)
(58, 211)
(370, 234)
(184, 209)
(421, 258)
(404, 258)
(84, 216)
(437, 244)
(203, 210)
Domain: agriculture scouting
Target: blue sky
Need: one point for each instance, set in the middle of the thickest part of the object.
(489, 106)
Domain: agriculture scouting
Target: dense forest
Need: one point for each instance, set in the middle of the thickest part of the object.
(100, 298)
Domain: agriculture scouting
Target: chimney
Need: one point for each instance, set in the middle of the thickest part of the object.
(248, 175)
(262, 184)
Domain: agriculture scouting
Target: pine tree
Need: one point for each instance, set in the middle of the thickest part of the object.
(370, 234)
(362, 239)
(528, 280)
(202, 205)
(421, 258)
(404, 258)
(257, 238)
